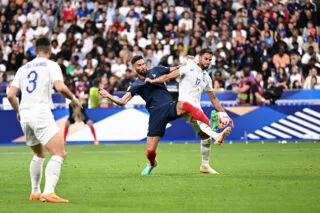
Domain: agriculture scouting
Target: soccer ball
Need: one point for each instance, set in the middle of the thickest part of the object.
(223, 119)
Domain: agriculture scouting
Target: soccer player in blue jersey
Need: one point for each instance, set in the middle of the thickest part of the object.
(162, 108)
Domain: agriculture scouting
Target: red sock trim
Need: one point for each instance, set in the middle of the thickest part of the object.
(93, 131)
(65, 133)
(151, 155)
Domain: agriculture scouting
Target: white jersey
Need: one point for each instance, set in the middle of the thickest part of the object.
(194, 81)
(35, 80)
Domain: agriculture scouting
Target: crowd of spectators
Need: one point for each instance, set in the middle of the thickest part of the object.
(93, 41)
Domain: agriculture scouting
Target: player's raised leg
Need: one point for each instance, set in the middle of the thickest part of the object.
(93, 131)
(197, 114)
(56, 147)
(152, 144)
(35, 169)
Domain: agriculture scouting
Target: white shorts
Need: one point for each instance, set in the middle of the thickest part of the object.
(37, 132)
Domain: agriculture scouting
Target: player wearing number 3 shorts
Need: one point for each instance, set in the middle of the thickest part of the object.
(35, 81)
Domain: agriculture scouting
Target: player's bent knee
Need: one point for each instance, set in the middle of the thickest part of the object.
(62, 154)
(180, 110)
(38, 150)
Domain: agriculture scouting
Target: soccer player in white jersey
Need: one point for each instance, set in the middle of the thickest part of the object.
(35, 81)
(194, 81)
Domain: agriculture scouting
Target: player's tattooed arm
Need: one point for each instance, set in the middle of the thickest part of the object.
(115, 99)
(216, 103)
(164, 78)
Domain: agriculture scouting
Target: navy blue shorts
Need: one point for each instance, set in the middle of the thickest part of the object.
(160, 117)
(72, 121)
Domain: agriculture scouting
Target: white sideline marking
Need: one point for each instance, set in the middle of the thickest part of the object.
(93, 151)
(276, 132)
(314, 149)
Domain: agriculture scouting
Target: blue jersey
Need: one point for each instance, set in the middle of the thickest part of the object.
(153, 94)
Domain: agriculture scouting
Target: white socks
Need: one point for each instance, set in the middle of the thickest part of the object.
(205, 151)
(52, 173)
(36, 174)
(208, 130)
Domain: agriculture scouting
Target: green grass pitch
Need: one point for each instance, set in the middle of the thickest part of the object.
(254, 177)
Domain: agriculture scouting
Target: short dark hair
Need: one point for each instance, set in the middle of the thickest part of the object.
(43, 45)
(204, 51)
(135, 59)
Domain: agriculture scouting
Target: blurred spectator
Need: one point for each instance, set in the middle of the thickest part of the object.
(69, 13)
(296, 78)
(296, 85)
(94, 94)
(266, 73)
(281, 59)
(96, 39)
(244, 87)
(233, 84)
(118, 69)
(313, 80)
(33, 17)
(258, 91)
(3, 83)
(310, 54)
(217, 86)
(311, 42)
(282, 78)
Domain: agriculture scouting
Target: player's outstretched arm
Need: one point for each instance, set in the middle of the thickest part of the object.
(63, 89)
(177, 67)
(13, 99)
(164, 78)
(216, 103)
(115, 99)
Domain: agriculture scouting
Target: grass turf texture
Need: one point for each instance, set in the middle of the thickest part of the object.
(256, 177)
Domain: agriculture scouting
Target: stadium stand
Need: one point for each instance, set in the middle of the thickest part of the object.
(277, 41)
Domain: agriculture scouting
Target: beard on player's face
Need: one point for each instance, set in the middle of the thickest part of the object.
(140, 67)
(205, 62)
(142, 70)
(204, 65)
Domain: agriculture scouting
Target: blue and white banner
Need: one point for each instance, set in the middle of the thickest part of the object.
(130, 125)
